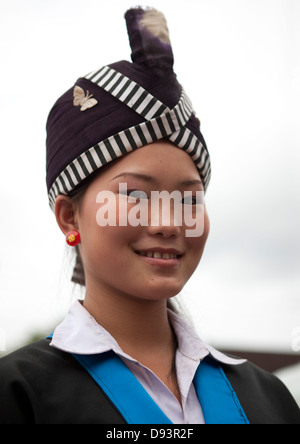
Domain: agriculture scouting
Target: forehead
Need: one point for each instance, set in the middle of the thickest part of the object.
(161, 160)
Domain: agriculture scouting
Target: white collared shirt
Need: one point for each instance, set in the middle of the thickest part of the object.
(79, 333)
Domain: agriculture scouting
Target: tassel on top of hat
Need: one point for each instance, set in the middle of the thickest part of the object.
(149, 37)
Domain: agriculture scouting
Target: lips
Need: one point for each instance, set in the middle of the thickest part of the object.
(163, 254)
(158, 255)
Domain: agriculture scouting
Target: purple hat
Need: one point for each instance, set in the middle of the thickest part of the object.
(121, 107)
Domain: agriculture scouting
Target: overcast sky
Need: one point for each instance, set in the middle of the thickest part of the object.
(239, 61)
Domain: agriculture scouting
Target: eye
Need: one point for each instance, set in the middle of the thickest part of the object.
(137, 195)
(192, 200)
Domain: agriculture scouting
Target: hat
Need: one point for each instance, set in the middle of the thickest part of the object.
(122, 107)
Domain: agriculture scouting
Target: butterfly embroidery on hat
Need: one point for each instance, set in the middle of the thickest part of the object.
(83, 100)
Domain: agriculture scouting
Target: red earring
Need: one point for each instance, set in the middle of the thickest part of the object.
(73, 238)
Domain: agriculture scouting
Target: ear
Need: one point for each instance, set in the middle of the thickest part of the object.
(66, 214)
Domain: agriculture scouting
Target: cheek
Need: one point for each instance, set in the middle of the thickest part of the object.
(106, 257)
(106, 249)
(206, 227)
(196, 245)
(106, 224)
(107, 242)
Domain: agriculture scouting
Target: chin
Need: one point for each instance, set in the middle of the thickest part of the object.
(161, 291)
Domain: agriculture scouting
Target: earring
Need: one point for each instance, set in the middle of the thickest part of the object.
(73, 238)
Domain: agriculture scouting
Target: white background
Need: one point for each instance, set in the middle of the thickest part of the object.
(239, 62)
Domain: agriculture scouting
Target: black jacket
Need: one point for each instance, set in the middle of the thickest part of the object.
(42, 385)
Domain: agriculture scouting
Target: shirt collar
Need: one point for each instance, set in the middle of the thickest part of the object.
(79, 333)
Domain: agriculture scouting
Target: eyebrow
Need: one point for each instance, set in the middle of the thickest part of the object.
(150, 179)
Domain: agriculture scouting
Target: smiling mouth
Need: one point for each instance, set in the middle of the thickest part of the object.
(159, 255)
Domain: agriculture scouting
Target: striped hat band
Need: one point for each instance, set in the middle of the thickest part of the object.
(160, 123)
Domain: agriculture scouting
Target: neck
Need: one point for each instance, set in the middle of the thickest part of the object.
(141, 328)
(137, 325)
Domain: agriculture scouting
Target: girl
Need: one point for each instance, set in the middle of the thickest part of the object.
(123, 355)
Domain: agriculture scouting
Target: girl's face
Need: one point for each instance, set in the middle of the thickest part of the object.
(151, 262)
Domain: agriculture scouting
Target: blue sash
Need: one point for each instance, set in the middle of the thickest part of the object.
(217, 398)
(123, 389)
(219, 402)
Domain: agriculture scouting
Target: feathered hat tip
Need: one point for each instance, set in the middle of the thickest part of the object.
(149, 37)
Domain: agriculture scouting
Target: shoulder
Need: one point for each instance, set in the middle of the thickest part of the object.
(39, 354)
(264, 398)
(43, 385)
(30, 353)
(37, 359)
(23, 375)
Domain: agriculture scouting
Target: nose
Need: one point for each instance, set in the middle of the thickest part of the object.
(166, 232)
(164, 221)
